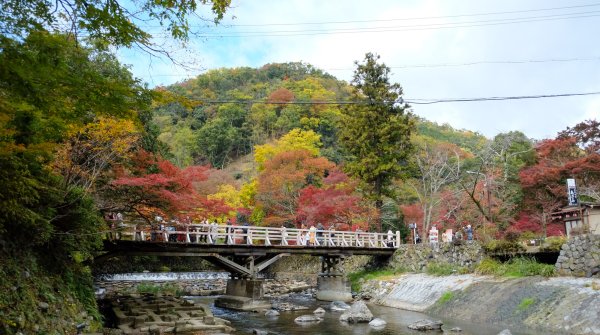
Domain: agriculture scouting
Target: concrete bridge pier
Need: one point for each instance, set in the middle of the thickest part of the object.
(243, 294)
(244, 290)
(332, 284)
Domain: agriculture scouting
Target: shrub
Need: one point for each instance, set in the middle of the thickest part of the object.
(516, 267)
(503, 247)
(553, 244)
(167, 289)
(489, 267)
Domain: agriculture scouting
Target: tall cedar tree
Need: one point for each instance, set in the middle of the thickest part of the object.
(376, 131)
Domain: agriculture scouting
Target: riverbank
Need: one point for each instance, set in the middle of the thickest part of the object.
(564, 305)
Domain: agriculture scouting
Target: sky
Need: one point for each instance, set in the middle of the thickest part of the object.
(436, 49)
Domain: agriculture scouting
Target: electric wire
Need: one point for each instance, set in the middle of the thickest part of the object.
(397, 19)
(413, 101)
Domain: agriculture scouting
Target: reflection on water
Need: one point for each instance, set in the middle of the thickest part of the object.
(397, 321)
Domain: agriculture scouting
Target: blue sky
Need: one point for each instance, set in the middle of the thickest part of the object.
(519, 47)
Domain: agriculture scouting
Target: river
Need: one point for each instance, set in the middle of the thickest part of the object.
(245, 322)
(397, 321)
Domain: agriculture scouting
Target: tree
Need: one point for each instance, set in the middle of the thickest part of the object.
(572, 154)
(376, 130)
(334, 205)
(111, 22)
(155, 185)
(283, 177)
(439, 166)
(296, 139)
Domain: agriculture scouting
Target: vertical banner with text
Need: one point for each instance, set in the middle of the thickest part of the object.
(572, 192)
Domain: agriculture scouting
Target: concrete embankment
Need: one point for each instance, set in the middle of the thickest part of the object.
(564, 305)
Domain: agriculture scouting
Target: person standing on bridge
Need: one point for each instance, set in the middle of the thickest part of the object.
(320, 229)
(312, 235)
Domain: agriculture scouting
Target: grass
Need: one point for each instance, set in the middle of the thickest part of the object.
(356, 278)
(516, 268)
(525, 303)
(444, 269)
(446, 296)
(167, 289)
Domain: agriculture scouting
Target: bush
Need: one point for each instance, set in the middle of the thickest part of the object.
(166, 289)
(503, 247)
(553, 244)
(516, 267)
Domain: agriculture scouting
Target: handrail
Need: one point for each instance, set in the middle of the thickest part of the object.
(254, 235)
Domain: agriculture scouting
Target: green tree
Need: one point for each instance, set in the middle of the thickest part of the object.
(113, 22)
(376, 130)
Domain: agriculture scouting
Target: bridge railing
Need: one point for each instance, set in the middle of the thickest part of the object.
(253, 235)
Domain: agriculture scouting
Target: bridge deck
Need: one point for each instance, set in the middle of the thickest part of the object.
(195, 249)
(210, 239)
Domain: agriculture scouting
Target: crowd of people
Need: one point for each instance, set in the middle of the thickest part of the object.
(207, 231)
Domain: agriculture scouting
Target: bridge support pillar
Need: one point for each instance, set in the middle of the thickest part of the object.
(332, 284)
(243, 294)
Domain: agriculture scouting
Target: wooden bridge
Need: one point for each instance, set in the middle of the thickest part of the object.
(245, 251)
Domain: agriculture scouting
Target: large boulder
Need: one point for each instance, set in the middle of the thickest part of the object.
(358, 312)
(423, 325)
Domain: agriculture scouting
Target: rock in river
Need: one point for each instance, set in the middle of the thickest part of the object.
(307, 319)
(377, 323)
(337, 306)
(426, 325)
(358, 312)
(319, 311)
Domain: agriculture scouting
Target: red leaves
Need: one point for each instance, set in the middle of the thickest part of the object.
(283, 178)
(328, 206)
(168, 189)
(281, 95)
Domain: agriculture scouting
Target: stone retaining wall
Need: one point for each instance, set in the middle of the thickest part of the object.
(306, 268)
(580, 256)
(416, 257)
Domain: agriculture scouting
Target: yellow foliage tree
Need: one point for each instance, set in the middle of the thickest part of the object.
(296, 139)
(94, 147)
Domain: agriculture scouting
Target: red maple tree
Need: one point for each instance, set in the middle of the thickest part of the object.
(153, 185)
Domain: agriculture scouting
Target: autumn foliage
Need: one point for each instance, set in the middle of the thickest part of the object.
(335, 205)
(163, 187)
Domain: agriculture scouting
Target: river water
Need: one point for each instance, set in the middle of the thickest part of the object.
(397, 321)
(245, 322)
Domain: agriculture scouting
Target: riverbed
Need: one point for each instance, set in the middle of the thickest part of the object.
(245, 322)
(397, 321)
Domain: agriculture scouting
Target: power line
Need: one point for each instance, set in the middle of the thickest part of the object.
(403, 19)
(522, 97)
(414, 27)
(414, 101)
(436, 65)
(383, 29)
